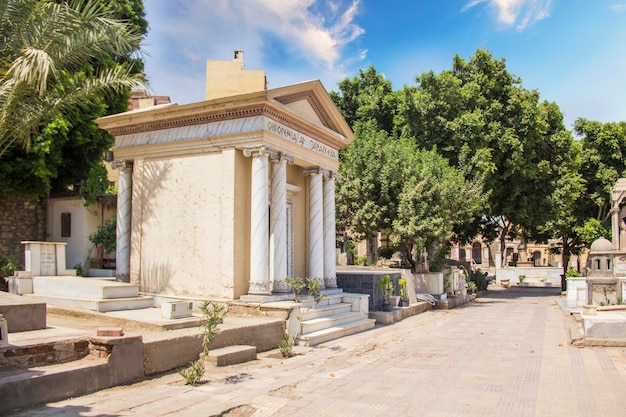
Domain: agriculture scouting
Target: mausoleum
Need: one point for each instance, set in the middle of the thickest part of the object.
(225, 198)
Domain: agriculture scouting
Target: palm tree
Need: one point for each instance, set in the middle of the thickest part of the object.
(47, 51)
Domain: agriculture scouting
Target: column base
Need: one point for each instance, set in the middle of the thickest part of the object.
(259, 288)
(330, 282)
(281, 287)
(122, 278)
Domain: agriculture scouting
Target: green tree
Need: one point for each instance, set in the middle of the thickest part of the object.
(479, 117)
(603, 162)
(372, 175)
(390, 185)
(434, 202)
(368, 97)
(63, 64)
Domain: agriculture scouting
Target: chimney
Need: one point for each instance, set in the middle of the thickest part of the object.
(238, 57)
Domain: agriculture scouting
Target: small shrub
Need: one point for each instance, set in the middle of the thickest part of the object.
(213, 315)
(478, 278)
(105, 235)
(386, 287)
(361, 260)
(297, 284)
(572, 273)
(193, 373)
(79, 270)
(286, 346)
(402, 284)
(385, 252)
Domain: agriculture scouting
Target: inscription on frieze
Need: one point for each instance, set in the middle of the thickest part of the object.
(300, 139)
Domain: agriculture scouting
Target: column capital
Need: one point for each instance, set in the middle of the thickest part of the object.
(255, 151)
(122, 164)
(331, 175)
(313, 171)
(279, 156)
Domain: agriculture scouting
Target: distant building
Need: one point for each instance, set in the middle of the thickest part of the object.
(139, 99)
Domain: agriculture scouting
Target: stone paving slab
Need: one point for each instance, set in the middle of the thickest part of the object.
(507, 353)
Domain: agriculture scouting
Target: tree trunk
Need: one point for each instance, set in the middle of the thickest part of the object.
(408, 247)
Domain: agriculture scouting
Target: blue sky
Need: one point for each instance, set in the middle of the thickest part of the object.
(572, 51)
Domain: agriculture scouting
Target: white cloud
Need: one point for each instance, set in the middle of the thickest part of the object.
(291, 40)
(618, 7)
(521, 13)
(318, 29)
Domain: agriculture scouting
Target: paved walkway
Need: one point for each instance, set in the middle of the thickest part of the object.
(506, 354)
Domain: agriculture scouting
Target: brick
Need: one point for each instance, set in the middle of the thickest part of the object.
(110, 332)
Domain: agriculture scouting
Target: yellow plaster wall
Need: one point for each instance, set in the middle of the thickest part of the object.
(225, 79)
(182, 227)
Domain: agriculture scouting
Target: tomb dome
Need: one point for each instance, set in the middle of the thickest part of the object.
(601, 245)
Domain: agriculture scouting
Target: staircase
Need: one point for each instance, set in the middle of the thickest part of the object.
(337, 315)
(96, 294)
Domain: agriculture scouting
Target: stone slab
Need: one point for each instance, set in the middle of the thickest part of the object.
(400, 313)
(98, 304)
(605, 325)
(22, 313)
(78, 287)
(232, 355)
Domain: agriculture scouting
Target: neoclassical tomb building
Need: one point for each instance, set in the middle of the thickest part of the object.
(225, 198)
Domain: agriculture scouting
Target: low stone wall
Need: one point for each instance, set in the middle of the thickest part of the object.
(44, 353)
(114, 361)
(364, 281)
(545, 276)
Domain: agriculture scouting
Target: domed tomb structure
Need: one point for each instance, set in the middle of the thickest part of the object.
(603, 287)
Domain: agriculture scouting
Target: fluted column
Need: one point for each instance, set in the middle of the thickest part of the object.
(330, 261)
(259, 234)
(124, 204)
(278, 222)
(316, 225)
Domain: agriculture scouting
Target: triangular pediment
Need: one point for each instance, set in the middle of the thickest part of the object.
(311, 101)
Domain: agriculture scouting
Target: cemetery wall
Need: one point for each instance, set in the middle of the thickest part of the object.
(21, 218)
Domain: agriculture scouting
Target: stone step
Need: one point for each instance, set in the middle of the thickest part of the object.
(231, 355)
(312, 325)
(100, 305)
(330, 299)
(21, 313)
(335, 332)
(327, 310)
(85, 288)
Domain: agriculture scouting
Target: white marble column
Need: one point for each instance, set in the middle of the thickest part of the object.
(615, 223)
(259, 234)
(316, 225)
(330, 261)
(124, 199)
(278, 222)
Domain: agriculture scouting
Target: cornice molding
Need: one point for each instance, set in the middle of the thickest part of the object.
(313, 101)
(239, 112)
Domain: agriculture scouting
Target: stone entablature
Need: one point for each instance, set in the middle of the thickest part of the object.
(222, 118)
(221, 133)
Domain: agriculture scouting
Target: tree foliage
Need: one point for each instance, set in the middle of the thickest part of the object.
(517, 162)
(603, 162)
(368, 97)
(479, 117)
(390, 185)
(63, 65)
